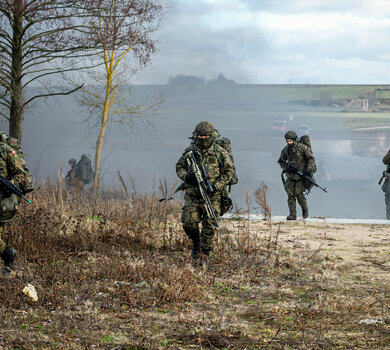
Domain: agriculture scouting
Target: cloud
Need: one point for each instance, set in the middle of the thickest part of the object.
(255, 41)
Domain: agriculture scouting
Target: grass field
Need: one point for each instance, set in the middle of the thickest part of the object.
(255, 106)
(116, 274)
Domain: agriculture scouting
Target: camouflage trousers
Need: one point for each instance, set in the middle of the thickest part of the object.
(2, 243)
(387, 201)
(295, 189)
(194, 213)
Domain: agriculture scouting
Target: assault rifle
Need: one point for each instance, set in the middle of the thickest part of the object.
(8, 185)
(299, 172)
(203, 183)
(387, 171)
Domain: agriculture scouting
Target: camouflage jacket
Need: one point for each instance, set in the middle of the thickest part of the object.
(217, 163)
(10, 165)
(299, 155)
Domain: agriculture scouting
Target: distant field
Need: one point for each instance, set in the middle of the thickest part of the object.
(323, 107)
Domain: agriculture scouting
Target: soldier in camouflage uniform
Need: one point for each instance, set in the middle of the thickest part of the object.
(69, 178)
(301, 156)
(14, 143)
(386, 184)
(219, 168)
(11, 169)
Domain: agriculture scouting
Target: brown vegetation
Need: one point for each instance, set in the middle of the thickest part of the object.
(115, 273)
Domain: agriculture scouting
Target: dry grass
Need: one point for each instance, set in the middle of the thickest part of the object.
(115, 273)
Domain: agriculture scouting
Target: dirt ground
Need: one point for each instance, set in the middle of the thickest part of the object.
(362, 248)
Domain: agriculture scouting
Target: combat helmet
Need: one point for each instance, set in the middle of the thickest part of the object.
(292, 135)
(72, 162)
(204, 128)
(13, 142)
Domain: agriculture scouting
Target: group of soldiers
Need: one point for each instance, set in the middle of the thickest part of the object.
(80, 173)
(220, 172)
(216, 161)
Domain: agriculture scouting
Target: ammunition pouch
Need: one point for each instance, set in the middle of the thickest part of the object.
(8, 207)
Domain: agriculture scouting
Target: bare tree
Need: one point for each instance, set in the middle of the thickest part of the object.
(123, 29)
(39, 39)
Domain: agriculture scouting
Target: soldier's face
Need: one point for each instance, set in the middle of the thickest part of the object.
(290, 141)
(204, 141)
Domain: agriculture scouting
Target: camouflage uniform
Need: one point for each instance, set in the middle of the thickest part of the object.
(219, 168)
(386, 184)
(386, 189)
(301, 156)
(11, 169)
(28, 183)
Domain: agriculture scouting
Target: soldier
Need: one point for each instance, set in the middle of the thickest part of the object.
(219, 168)
(386, 184)
(69, 178)
(11, 169)
(301, 156)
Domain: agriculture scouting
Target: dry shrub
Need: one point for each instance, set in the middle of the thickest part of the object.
(67, 240)
(262, 200)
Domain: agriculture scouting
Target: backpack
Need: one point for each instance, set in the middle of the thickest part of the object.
(305, 139)
(83, 171)
(225, 143)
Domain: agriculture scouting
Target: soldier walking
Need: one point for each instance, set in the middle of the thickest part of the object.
(386, 184)
(12, 169)
(300, 155)
(219, 168)
(70, 176)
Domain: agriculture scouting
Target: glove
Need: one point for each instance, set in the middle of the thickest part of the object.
(307, 173)
(290, 168)
(26, 187)
(191, 179)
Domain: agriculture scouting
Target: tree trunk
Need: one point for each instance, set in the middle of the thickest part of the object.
(100, 139)
(16, 110)
(98, 156)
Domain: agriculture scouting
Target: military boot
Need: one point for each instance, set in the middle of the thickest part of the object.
(205, 257)
(9, 257)
(195, 252)
(292, 217)
(305, 212)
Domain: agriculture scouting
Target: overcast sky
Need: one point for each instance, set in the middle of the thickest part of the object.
(275, 41)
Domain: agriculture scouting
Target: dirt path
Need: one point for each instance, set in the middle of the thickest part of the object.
(361, 249)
